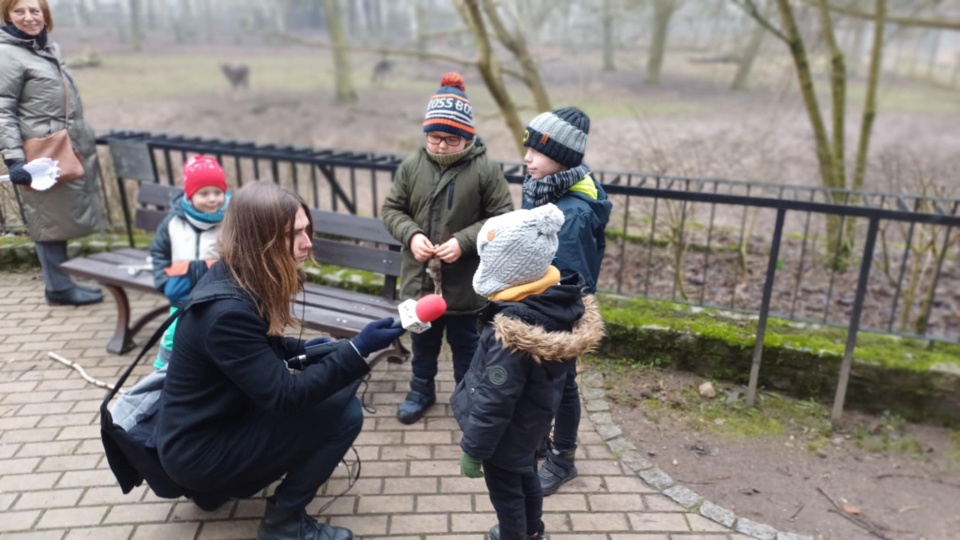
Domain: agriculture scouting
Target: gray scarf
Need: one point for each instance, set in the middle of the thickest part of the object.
(551, 188)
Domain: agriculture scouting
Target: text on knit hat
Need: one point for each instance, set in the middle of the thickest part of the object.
(449, 109)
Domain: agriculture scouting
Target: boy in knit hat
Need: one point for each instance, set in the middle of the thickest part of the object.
(533, 328)
(186, 240)
(442, 194)
(556, 173)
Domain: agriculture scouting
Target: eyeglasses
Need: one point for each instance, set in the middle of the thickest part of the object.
(451, 141)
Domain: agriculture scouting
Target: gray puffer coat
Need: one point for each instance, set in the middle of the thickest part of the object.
(31, 106)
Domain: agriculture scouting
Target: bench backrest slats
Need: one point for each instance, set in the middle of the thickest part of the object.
(147, 219)
(153, 202)
(374, 260)
(350, 226)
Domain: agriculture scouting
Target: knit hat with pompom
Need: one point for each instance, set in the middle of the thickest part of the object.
(202, 171)
(449, 109)
(516, 248)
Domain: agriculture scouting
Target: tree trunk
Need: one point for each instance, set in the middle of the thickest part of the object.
(341, 59)
(609, 41)
(420, 21)
(662, 13)
(371, 12)
(136, 31)
(933, 51)
(750, 52)
(490, 70)
(515, 43)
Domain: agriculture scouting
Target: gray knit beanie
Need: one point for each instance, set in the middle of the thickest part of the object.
(561, 135)
(516, 248)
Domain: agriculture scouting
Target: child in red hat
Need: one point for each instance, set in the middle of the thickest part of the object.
(186, 241)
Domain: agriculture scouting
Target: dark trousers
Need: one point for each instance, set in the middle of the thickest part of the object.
(305, 448)
(304, 479)
(462, 335)
(517, 498)
(568, 415)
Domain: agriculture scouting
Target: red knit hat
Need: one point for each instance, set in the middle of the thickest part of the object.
(202, 171)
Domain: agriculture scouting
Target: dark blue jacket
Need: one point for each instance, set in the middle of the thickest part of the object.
(507, 400)
(582, 240)
(232, 417)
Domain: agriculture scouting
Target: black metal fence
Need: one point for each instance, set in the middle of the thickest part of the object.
(762, 249)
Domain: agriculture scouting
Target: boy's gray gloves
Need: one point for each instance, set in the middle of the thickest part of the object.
(17, 174)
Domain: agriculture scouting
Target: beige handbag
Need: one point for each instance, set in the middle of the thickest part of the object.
(57, 146)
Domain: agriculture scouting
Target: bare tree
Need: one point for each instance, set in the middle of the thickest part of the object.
(341, 56)
(831, 147)
(136, 30)
(751, 50)
(609, 40)
(663, 11)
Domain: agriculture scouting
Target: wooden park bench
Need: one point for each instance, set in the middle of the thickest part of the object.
(345, 240)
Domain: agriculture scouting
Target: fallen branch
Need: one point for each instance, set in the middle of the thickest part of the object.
(79, 369)
(917, 477)
(861, 522)
(797, 513)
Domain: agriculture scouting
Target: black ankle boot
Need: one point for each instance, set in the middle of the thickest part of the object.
(557, 470)
(72, 297)
(294, 524)
(423, 394)
(495, 534)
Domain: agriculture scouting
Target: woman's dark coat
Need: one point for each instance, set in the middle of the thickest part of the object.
(233, 418)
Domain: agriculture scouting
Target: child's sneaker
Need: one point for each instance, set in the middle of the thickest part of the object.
(495, 534)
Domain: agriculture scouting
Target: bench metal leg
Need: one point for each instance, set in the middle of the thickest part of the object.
(122, 340)
(398, 353)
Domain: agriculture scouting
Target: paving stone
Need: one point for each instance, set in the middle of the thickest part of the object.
(72, 517)
(55, 498)
(717, 513)
(683, 496)
(756, 530)
(116, 532)
(18, 521)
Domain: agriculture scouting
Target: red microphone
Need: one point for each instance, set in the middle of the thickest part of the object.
(416, 315)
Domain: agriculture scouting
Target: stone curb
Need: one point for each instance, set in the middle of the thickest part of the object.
(597, 407)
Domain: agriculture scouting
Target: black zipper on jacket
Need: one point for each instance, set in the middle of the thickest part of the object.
(450, 188)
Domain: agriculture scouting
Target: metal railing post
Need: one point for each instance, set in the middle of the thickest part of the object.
(765, 308)
(855, 320)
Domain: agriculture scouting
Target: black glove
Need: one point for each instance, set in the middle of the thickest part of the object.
(375, 336)
(17, 174)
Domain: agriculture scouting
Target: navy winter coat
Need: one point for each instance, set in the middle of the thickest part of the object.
(507, 400)
(582, 240)
(233, 418)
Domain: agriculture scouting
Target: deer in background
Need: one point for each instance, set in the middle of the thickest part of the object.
(380, 70)
(237, 74)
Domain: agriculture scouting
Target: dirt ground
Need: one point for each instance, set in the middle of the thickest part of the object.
(782, 466)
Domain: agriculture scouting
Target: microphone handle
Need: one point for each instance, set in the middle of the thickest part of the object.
(396, 323)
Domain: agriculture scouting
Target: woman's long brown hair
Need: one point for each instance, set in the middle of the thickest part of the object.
(256, 244)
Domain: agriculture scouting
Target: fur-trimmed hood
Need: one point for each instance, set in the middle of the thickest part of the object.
(520, 335)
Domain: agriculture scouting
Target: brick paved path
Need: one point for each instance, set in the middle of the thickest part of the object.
(55, 482)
